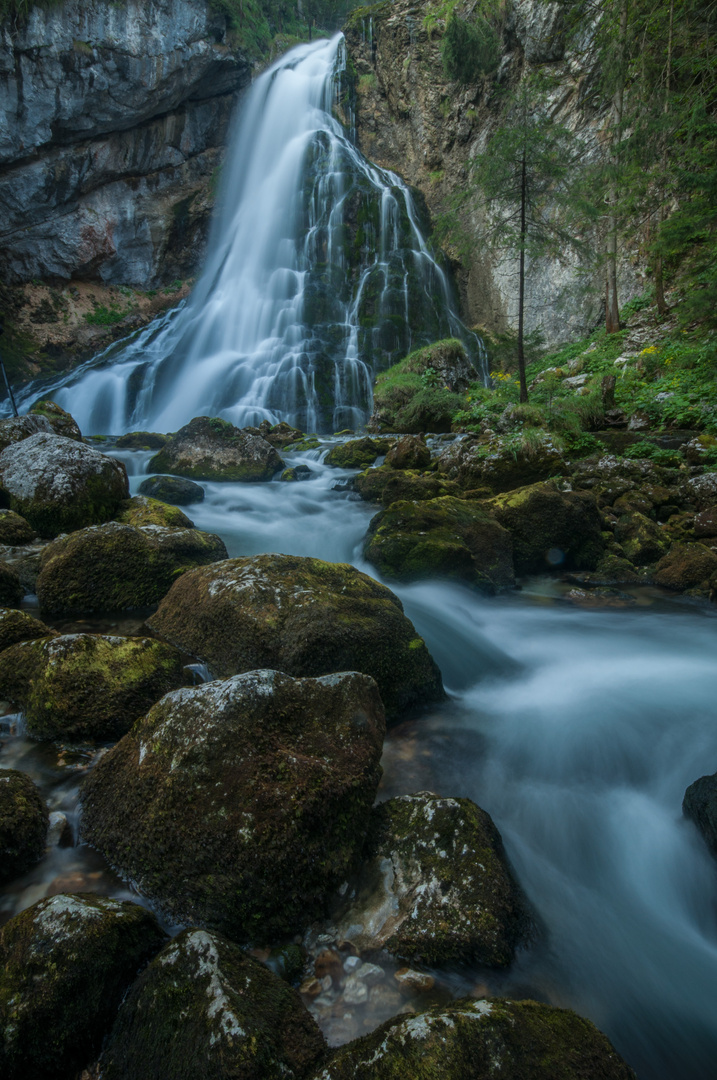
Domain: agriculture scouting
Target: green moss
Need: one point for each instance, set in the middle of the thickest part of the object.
(355, 454)
(14, 529)
(141, 510)
(23, 826)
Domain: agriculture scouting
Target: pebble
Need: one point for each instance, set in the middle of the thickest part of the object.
(355, 991)
(351, 963)
(59, 833)
(328, 963)
(311, 987)
(413, 982)
(370, 974)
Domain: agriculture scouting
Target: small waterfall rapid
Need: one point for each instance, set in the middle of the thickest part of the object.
(317, 276)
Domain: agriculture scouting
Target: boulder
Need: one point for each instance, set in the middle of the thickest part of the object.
(296, 473)
(241, 804)
(609, 477)
(302, 616)
(117, 567)
(700, 806)
(60, 421)
(279, 435)
(503, 464)
(203, 1008)
(472, 1039)
(410, 452)
(355, 454)
(211, 449)
(60, 485)
(435, 887)
(550, 528)
(19, 626)
(142, 510)
(24, 561)
(142, 440)
(642, 540)
(388, 485)
(65, 964)
(87, 686)
(687, 566)
(14, 530)
(702, 490)
(705, 524)
(18, 428)
(446, 538)
(23, 826)
(172, 489)
(11, 590)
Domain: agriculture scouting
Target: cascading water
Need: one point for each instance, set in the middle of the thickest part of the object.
(317, 276)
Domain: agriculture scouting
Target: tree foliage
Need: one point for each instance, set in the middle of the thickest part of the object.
(470, 49)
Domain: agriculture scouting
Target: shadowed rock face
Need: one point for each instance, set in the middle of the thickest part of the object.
(112, 119)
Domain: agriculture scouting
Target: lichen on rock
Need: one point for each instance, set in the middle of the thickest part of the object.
(208, 448)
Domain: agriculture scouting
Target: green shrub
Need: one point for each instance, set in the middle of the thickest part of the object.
(469, 49)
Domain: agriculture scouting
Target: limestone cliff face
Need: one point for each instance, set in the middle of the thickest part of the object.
(412, 119)
(112, 122)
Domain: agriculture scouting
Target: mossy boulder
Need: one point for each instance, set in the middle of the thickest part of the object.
(14, 530)
(410, 452)
(59, 420)
(550, 528)
(203, 1008)
(436, 887)
(610, 477)
(700, 806)
(241, 804)
(59, 484)
(472, 1039)
(87, 686)
(142, 440)
(65, 964)
(279, 435)
(19, 626)
(502, 464)
(705, 524)
(117, 567)
(211, 449)
(296, 473)
(423, 391)
(172, 489)
(686, 567)
(302, 616)
(23, 826)
(355, 454)
(18, 428)
(141, 510)
(447, 538)
(11, 590)
(388, 485)
(702, 490)
(642, 539)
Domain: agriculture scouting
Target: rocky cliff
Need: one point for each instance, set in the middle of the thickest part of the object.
(411, 118)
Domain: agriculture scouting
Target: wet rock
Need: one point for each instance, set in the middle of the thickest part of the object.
(295, 473)
(19, 626)
(388, 485)
(700, 806)
(410, 452)
(205, 1008)
(513, 1040)
(65, 965)
(241, 804)
(503, 464)
(280, 435)
(302, 616)
(14, 530)
(355, 454)
(208, 448)
(59, 484)
(11, 590)
(117, 567)
(60, 421)
(23, 827)
(435, 887)
(444, 538)
(688, 566)
(25, 561)
(59, 832)
(141, 510)
(611, 570)
(18, 428)
(412, 982)
(172, 489)
(706, 523)
(550, 528)
(87, 686)
(642, 540)
(142, 440)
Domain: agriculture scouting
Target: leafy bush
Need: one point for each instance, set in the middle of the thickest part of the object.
(469, 49)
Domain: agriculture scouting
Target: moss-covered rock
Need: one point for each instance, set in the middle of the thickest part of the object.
(447, 537)
(278, 435)
(422, 391)
(388, 485)
(203, 1008)
(11, 590)
(65, 965)
(142, 440)
(19, 626)
(551, 529)
(87, 686)
(18, 428)
(688, 566)
(59, 484)
(705, 524)
(60, 421)
(700, 806)
(23, 826)
(172, 489)
(117, 567)
(296, 473)
(241, 804)
(504, 463)
(436, 887)
(642, 539)
(410, 452)
(470, 1040)
(211, 449)
(14, 530)
(302, 616)
(609, 477)
(355, 454)
(702, 490)
(141, 510)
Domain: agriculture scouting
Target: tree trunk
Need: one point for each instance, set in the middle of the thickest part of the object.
(521, 286)
(612, 311)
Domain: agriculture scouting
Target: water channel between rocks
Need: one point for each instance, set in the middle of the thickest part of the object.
(577, 730)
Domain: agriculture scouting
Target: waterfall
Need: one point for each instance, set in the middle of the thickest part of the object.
(317, 276)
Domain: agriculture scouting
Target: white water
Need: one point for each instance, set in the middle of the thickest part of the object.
(317, 275)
